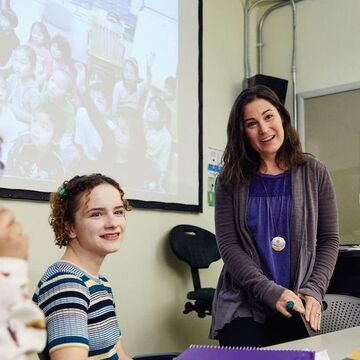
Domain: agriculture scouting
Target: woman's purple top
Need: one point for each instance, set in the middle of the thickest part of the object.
(268, 216)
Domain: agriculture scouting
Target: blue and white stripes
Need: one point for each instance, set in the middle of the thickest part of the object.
(79, 310)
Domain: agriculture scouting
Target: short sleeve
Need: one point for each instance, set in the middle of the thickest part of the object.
(65, 301)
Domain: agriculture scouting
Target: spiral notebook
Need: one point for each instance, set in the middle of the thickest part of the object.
(209, 352)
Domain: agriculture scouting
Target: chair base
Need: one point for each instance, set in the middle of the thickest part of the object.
(201, 309)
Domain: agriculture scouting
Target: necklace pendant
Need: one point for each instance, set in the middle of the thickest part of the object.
(278, 243)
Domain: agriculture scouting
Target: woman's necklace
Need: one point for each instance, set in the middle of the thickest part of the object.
(278, 243)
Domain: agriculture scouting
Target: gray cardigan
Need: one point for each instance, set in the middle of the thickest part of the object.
(243, 290)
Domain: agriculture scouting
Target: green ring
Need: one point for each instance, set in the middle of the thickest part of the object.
(290, 305)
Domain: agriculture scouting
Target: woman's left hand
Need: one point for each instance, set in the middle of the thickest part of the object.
(312, 311)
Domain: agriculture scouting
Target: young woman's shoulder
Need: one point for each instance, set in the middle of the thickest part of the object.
(60, 278)
(62, 272)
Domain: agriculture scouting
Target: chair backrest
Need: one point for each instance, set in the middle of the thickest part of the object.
(339, 312)
(194, 245)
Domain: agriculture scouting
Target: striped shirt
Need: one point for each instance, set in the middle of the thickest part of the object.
(79, 310)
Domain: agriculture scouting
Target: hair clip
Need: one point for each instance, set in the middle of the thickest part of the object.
(62, 191)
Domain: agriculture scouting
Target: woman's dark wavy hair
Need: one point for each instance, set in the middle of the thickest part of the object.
(240, 161)
(66, 202)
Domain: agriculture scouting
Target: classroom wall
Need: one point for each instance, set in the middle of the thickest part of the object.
(345, 170)
(149, 283)
(327, 53)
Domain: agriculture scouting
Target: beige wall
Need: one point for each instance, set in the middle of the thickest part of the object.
(150, 285)
(327, 50)
(345, 170)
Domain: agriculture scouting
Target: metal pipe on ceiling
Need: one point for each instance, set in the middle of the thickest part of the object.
(260, 45)
(293, 65)
(247, 10)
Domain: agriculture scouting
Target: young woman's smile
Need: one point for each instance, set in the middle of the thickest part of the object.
(100, 222)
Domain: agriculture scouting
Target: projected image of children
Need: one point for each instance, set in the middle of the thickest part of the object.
(39, 41)
(8, 38)
(35, 154)
(10, 128)
(82, 89)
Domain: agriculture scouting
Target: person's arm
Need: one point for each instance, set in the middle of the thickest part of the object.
(327, 247)
(23, 113)
(164, 157)
(150, 58)
(66, 299)
(244, 270)
(115, 97)
(327, 238)
(14, 246)
(20, 114)
(70, 353)
(80, 77)
(121, 352)
(22, 324)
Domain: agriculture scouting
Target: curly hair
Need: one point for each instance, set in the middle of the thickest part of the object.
(240, 160)
(66, 202)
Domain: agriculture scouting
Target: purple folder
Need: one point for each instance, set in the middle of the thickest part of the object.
(208, 352)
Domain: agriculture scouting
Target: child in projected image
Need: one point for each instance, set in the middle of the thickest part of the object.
(130, 91)
(56, 92)
(88, 219)
(157, 136)
(10, 128)
(8, 38)
(60, 50)
(35, 155)
(23, 88)
(39, 41)
(2, 165)
(94, 127)
(128, 160)
(169, 96)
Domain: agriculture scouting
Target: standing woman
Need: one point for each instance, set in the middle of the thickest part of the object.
(88, 218)
(276, 226)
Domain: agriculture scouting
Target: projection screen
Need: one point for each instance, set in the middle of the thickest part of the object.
(109, 86)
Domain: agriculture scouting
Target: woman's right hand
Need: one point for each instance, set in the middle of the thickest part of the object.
(288, 295)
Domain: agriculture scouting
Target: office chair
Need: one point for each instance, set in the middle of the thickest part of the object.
(339, 312)
(160, 356)
(198, 248)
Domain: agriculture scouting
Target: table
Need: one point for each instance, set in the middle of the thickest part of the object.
(338, 344)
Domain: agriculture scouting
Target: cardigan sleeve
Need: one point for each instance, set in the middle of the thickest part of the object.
(240, 259)
(327, 242)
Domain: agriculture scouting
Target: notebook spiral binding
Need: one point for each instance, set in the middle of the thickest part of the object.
(194, 346)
